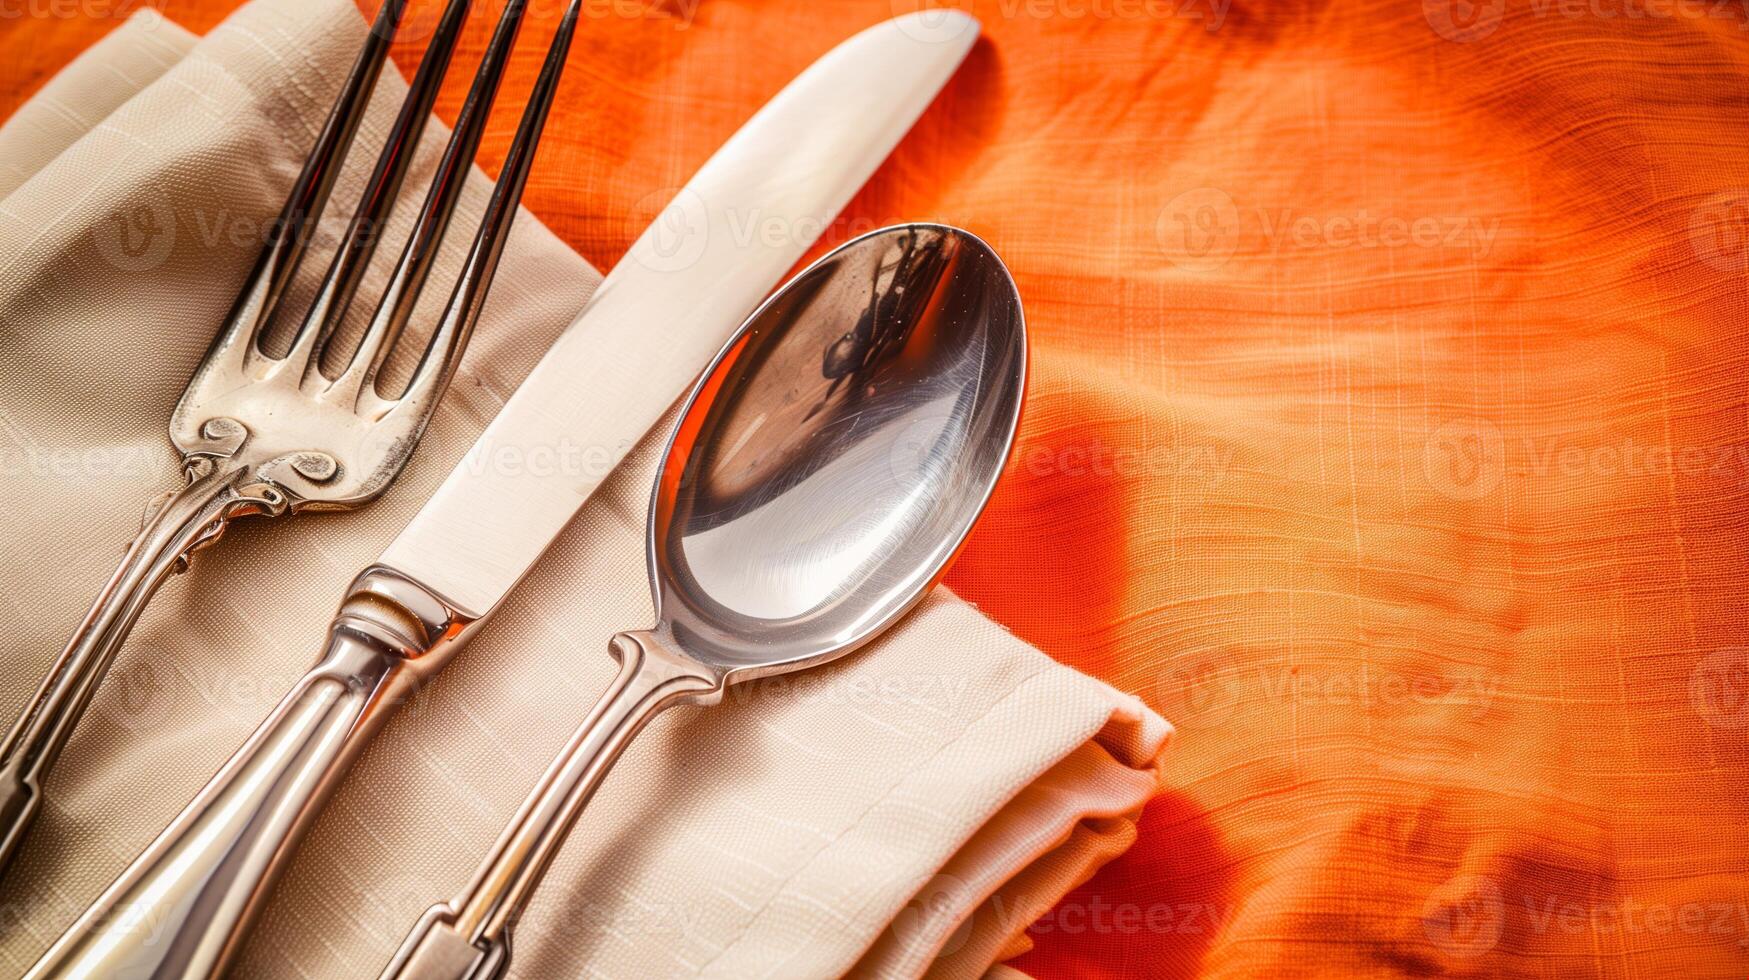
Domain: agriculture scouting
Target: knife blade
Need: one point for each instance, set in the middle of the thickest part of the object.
(727, 238)
(180, 909)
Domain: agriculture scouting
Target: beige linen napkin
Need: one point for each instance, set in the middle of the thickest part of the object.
(906, 812)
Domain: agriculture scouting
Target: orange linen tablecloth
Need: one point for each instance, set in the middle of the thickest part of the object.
(1387, 434)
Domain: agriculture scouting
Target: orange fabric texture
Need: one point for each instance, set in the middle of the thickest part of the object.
(1386, 434)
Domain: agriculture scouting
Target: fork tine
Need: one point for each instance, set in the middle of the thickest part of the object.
(411, 272)
(442, 354)
(290, 235)
(340, 285)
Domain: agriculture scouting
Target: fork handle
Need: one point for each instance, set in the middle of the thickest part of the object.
(188, 520)
(180, 909)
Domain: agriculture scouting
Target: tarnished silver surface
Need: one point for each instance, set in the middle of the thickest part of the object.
(180, 909)
(713, 253)
(266, 435)
(824, 473)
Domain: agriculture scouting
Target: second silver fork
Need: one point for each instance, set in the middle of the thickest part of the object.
(276, 435)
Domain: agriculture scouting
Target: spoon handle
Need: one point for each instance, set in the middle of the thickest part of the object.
(469, 938)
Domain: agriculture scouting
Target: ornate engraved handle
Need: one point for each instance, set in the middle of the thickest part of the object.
(187, 520)
(179, 910)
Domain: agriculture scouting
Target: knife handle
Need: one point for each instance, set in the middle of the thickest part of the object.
(180, 909)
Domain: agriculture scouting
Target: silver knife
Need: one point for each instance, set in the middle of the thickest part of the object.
(180, 909)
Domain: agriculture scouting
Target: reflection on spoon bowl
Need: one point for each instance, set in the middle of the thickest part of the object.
(838, 452)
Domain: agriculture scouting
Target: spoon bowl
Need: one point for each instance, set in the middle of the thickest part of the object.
(833, 458)
(825, 471)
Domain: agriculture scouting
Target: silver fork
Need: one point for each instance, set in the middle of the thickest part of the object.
(266, 435)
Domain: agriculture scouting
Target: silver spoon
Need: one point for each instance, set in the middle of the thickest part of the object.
(826, 470)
